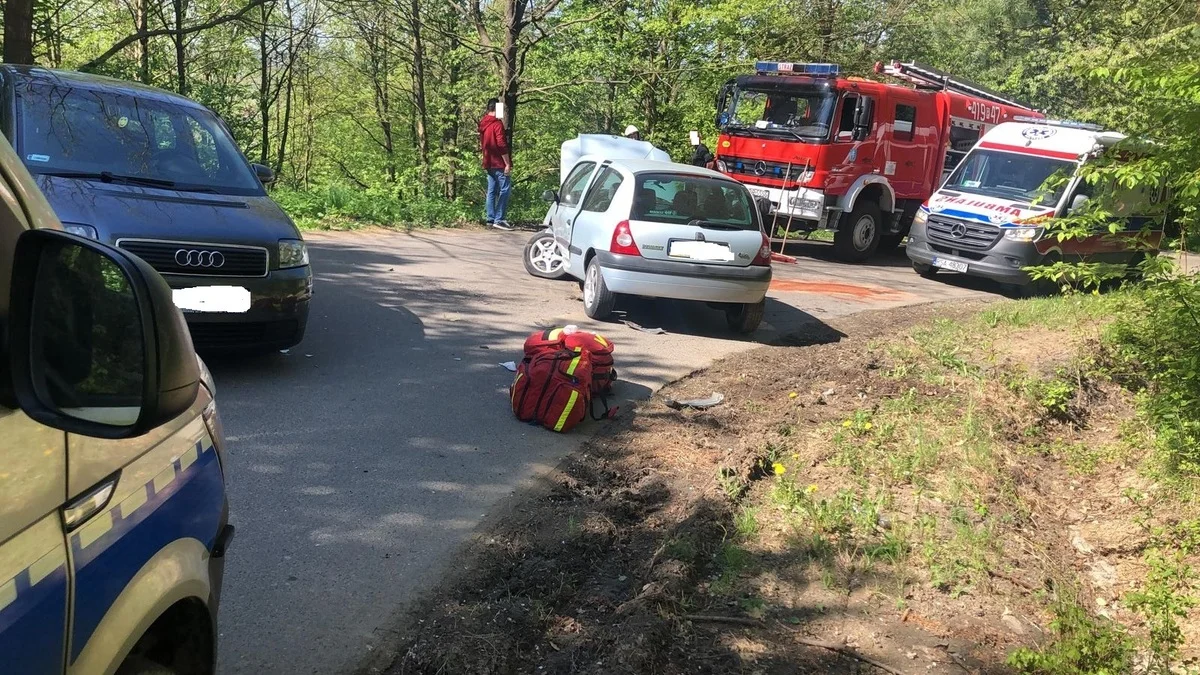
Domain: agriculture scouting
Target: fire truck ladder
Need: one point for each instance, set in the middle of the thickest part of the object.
(927, 77)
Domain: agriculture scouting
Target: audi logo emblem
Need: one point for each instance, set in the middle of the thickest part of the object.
(958, 230)
(196, 258)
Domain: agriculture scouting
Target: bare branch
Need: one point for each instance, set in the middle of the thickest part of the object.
(130, 39)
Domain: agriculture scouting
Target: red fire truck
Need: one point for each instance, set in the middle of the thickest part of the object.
(848, 154)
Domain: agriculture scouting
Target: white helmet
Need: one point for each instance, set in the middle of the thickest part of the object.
(630, 130)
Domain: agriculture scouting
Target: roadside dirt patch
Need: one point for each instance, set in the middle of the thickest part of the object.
(847, 291)
(869, 505)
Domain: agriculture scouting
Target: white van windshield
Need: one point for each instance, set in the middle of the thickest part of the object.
(1008, 175)
(112, 136)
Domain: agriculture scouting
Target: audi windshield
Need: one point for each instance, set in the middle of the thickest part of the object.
(1008, 175)
(113, 137)
(795, 111)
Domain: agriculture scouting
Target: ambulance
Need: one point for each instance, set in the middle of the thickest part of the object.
(988, 218)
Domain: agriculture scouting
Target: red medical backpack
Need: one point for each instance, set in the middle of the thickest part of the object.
(599, 348)
(553, 388)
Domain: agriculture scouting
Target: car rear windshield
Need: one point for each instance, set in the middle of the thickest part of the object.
(683, 199)
(85, 132)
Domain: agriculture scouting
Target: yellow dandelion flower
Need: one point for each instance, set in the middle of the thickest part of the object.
(810, 489)
(847, 424)
(778, 468)
(868, 425)
(793, 395)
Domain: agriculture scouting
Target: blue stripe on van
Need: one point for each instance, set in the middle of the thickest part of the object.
(33, 625)
(188, 507)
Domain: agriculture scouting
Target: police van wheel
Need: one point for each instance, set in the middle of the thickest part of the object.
(926, 271)
(598, 301)
(858, 233)
(138, 665)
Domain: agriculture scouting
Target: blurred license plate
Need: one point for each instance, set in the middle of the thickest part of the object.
(953, 265)
(215, 299)
(700, 250)
(761, 194)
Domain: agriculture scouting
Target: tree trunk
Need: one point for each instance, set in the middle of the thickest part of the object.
(143, 44)
(264, 86)
(179, 38)
(18, 31)
(421, 120)
(450, 131)
(510, 76)
(286, 121)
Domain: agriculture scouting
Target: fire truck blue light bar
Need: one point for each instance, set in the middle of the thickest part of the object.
(797, 68)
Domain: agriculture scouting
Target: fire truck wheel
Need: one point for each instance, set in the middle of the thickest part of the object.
(858, 234)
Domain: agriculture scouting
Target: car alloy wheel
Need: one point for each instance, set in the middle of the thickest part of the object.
(547, 256)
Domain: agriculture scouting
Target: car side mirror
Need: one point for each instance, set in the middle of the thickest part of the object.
(266, 175)
(1079, 203)
(863, 113)
(550, 196)
(96, 344)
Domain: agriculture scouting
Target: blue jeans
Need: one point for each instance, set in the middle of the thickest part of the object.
(499, 185)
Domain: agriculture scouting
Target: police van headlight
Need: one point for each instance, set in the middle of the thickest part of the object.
(1022, 233)
(921, 218)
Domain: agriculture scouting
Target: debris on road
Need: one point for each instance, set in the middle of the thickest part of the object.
(696, 403)
(781, 258)
(510, 366)
(638, 327)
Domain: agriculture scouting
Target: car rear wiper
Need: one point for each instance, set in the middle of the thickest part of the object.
(710, 225)
(110, 177)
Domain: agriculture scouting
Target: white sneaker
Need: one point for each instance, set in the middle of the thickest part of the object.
(502, 225)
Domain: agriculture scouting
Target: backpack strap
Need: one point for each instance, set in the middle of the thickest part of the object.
(609, 413)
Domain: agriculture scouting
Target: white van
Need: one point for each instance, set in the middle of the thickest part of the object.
(986, 218)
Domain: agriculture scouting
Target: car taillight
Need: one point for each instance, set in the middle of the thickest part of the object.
(764, 252)
(622, 240)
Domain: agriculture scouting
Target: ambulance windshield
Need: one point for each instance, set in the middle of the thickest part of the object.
(800, 112)
(1007, 175)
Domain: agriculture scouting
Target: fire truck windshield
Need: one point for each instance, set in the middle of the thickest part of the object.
(802, 113)
(1009, 175)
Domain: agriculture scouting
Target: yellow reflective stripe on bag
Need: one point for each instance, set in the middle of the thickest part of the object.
(562, 419)
(571, 368)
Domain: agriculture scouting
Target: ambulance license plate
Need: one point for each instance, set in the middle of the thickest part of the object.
(952, 265)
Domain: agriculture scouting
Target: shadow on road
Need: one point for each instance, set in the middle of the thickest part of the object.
(364, 456)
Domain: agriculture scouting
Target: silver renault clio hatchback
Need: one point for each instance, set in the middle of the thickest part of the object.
(664, 230)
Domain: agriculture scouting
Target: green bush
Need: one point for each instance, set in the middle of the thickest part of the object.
(1082, 645)
(1155, 343)
(342, 207)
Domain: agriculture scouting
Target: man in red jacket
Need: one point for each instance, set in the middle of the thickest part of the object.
(497, 162)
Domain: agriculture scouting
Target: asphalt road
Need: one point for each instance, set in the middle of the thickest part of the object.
(361, 459)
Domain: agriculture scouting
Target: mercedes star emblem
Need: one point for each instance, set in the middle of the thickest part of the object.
(760, 168)
(958, 230)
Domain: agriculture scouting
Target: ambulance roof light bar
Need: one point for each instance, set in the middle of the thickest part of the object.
(788, 68)
(1070, 124)
(923, 75)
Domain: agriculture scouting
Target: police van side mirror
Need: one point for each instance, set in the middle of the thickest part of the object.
(96, 345)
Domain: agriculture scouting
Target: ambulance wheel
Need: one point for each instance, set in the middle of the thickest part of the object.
(138, 665)
(745, 317)
(544, 257)
(926, 271)
(598, 301)
(858, 234)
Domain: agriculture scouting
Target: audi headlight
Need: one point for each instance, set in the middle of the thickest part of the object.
(292, 253)
(921, 218)
(81, 230)
(1022, 233)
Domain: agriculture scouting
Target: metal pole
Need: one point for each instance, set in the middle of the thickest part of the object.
(787, 232)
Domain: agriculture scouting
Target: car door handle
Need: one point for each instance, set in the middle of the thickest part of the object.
(569, 221)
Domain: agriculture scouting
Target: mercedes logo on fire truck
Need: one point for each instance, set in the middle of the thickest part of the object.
(196, 258)
(760, 168)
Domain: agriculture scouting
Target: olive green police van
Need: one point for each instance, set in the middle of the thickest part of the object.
(113, 516)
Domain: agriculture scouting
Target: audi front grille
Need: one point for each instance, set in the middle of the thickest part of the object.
(962, 234)
(197, 259)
